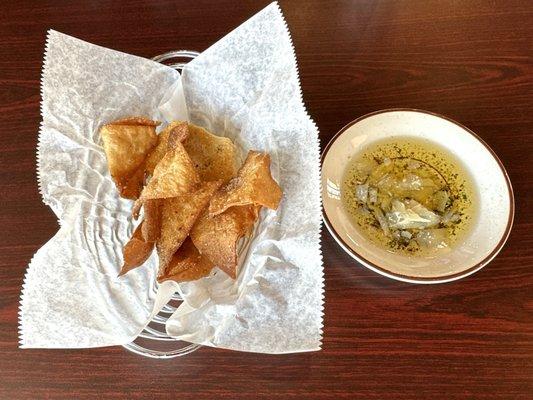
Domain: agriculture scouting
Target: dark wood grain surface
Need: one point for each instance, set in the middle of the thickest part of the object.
(469, 60)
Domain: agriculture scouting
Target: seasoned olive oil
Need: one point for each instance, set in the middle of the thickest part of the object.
(409, 195)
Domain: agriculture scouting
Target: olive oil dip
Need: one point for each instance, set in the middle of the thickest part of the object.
(409, 195)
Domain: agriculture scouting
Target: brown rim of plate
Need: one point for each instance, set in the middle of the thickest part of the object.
(439, 279)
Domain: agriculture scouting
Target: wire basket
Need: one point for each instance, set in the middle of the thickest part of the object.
(153, 338)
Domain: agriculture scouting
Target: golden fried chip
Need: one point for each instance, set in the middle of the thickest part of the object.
(176, 131)
(178, 134)
(187, 264)
(136, 251)
(178, 215)
(126, 144)
(151, 225)
(214, 157)
(173, 176)
(252, 185)
(136, 121)
(217, 237)
(134, 185)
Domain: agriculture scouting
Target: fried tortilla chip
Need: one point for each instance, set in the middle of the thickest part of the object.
(187, 264)
(217, 237)
(127, 144)
(136, 121)
(151, 226)
(173, 176)
(136, 251)
(214, 157)
(178, 215)
(175, 132)
(134, 185)
(252, 185)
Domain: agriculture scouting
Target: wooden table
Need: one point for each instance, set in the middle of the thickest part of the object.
(469, 60)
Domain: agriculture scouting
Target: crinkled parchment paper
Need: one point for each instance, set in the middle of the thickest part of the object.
(245, 87)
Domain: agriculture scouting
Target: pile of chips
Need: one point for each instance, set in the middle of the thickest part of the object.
(197, 203)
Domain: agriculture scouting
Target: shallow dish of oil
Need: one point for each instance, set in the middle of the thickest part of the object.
(410, 170)
(415, 196)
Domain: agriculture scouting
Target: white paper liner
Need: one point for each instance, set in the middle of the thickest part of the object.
(246, 86)
(77, 269)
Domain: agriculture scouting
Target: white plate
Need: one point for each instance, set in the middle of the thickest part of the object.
(496, 208)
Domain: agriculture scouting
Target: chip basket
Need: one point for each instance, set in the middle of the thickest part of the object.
(154, 335)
